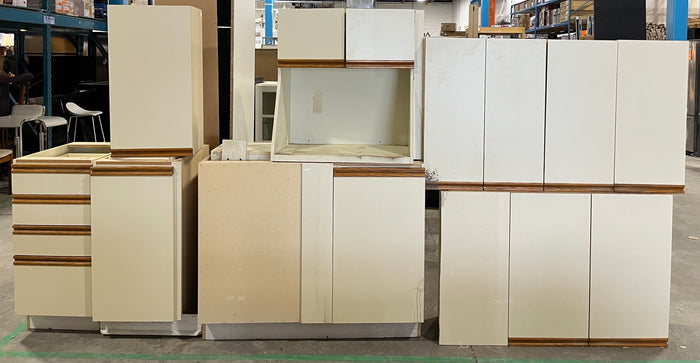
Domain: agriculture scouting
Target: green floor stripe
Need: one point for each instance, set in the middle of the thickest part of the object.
(22, 327)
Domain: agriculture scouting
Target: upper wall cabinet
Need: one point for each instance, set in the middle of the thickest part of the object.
(580, 127)
(377, 38)
(311, 38)
(155, 102)
(652, 85)
(514, 119)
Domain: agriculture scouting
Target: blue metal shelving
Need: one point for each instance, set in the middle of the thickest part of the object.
(548, 28)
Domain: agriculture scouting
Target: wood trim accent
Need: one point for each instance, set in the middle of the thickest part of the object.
(514, 187)
(615, 342)
(454, 186)
(396, 64)
(311, 63)
(578, 188)
(133, 170)
(24, 229)
(50, 168)
(50, 199)
(134, 153)
(33, 260)
(649, 188)
(54, 160)
(399, 172)
(548, 342)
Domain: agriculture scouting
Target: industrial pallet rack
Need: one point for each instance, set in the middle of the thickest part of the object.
(554, 28)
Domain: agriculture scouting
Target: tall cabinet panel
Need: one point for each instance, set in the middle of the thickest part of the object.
(549, 266)
(652, 83)
(454, 109)
(630, 266)
(474, 249)
(378, 248)
(515, 98)
(580, 127)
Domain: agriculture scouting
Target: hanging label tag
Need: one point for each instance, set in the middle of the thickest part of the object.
(49, 20)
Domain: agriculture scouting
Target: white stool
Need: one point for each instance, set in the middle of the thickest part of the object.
(78, 112)
(20, 114)
(45, 123)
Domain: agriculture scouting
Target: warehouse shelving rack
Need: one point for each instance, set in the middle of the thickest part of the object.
(554, 28)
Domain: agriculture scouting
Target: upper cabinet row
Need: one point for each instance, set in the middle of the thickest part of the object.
(555, 113)
(353, 38)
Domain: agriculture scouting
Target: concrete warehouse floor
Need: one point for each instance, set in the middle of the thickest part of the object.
(684, 343)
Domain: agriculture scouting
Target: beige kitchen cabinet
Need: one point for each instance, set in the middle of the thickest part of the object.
(249, 242)
(378, 38)
(549, 268)
(630, 269)
(378, 245)
(52, 230)
(474, 251)
(144, 235)
(311, 38)
(156, 75)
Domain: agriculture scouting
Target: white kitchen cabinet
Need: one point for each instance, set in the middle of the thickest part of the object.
(311, 38)
(474, 247)
(156, 103)
(580, 116)
(144, 235)
(514, 115)
(549, 268)
(53, 288)
(380, 38)
(378, 248)
(651, 113)
(249, 242)
(344, 115)
(630, 268)
(454, 109)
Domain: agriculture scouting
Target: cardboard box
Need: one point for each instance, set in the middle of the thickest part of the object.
(448, 27)
(22, 3)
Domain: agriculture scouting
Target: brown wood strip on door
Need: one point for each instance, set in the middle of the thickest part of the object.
(396, 172)
(135, 153)
(614, 342)
(50, 199)
(35, 260)
(649, 188)
(311, 63)
(578, 188)
(132, 170)
(393, 64)
(548, 342)
(514, 187)
(454, 186)
(22, 229)
(50, 168)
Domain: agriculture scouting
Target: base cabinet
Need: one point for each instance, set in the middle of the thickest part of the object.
(549, 266)
(630, 266)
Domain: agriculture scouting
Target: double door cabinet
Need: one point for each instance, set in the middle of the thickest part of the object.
(310, 243)
(547, 268)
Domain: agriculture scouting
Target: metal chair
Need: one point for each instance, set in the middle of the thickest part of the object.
(19, 115)
(6, 157)
(46, 122)
(78, 112)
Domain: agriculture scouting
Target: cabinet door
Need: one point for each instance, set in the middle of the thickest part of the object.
(474, 268)
(311, 34)
(135, 244)
(53, 290)
(651, 112)
(249, 242)
(580, 127)
(382, 35)
(630, 266)
(514, 133)
(454, 109)
(378, 242)
(549, 266)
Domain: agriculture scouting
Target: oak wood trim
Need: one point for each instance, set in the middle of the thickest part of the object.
(50, 199)
(52, 263)
(163, 152)
(548, 342)
(133, 170)
(578, 188)
(51, 168)
(311, 63)
(649, 188)
(616, 342)
(379, 172)
(54, 160)
(514, 187)
(395, 64)
(52, 258)
(454, 186)
(23, 229)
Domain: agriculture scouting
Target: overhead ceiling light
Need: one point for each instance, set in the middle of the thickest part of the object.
(23, 30)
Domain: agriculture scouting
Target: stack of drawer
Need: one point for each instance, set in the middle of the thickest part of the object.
(52, 230)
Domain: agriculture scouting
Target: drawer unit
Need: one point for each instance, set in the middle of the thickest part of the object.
(311, 38)
(53, 288)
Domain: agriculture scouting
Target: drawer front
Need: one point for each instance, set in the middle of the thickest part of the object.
(53, 290)
(311, 34)
(49, 183)
(51, 214)
(52, 245)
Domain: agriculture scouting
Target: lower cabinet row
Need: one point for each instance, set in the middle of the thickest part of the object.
(542, 268)
(297, 243)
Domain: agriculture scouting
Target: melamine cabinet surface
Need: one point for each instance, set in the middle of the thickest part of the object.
(549, 265)
(53, 290)
(311, 34)
(474, 248)
(380, 35)
(630, 266)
